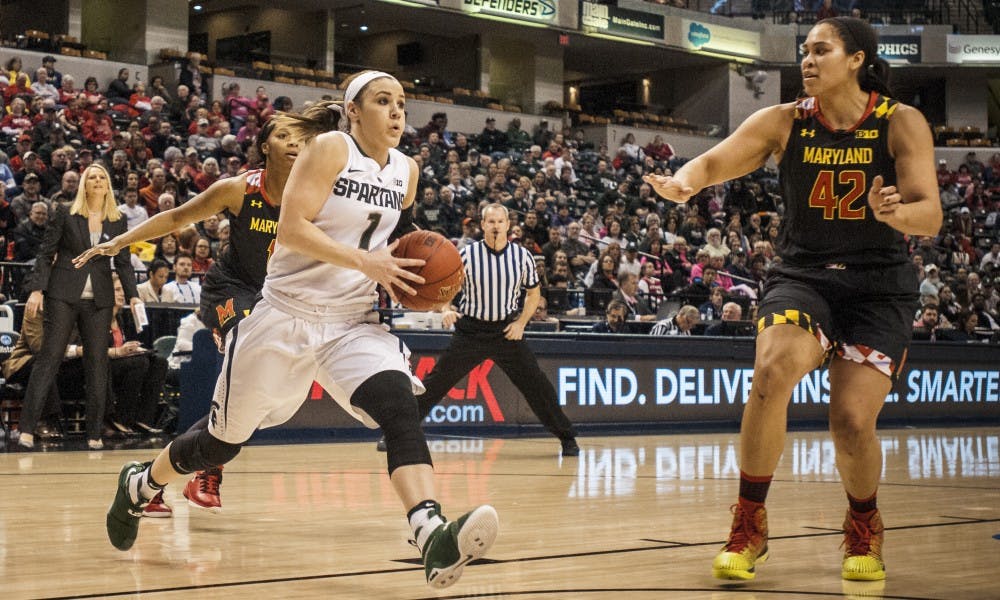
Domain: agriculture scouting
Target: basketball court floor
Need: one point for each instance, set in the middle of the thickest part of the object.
(633, 517)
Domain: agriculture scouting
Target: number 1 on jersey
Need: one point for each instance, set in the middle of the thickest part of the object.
(366, 238)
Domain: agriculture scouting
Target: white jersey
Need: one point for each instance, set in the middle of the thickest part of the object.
(361, 211)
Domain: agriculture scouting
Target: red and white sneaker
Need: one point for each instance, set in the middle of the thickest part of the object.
(202, 491)
(157, 508)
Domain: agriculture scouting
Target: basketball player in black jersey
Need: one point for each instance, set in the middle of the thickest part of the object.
(857, 172)
(251, 201)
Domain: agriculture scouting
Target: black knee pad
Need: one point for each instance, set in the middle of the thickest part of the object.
(388, 399)
(197, 450)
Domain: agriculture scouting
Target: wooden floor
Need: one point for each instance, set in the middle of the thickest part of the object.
(633, 517)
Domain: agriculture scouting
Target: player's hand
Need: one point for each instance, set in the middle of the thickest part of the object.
(387, 270)
(448, 318)
(34, 303)
(109, 248)
(514, 331)
(883, 200)
(670, 188)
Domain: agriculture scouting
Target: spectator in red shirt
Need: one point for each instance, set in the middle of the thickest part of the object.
(659, 149)
(826, 11)
(18, 121)
(99, 128)
(209, 174)
(150, 195)
(20, 86)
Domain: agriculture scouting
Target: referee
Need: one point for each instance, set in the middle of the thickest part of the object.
(486, 327)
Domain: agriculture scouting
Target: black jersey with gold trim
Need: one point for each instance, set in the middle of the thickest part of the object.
(825, 176)
(251, 234)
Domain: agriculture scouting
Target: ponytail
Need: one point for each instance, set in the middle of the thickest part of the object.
(321, 117)
(875, 77)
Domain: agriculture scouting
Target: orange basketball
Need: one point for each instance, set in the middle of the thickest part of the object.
(443, 273)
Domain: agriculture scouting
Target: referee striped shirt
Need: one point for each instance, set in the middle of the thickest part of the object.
(493, 280)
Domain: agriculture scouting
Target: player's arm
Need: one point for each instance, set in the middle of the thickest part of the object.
(913, 205)
(746, 149)
(405, 224)
(312, 177)
(223, 194)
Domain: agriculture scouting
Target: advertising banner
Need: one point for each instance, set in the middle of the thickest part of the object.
(974, 48)
(728, 40)
(537, 10)
(893, 48)
(608, 19)
(672, 387)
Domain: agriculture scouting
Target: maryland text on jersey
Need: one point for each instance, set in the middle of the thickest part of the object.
(368, 193)
(837, 156)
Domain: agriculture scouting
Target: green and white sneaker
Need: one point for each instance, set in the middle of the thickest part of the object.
(456, 543)
(123, 514)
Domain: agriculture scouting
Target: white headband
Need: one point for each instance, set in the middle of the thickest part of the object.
(361, 81)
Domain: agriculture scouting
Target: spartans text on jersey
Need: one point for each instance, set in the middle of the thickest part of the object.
(368, 193)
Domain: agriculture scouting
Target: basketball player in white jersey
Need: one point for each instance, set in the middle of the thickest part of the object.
(342, 203)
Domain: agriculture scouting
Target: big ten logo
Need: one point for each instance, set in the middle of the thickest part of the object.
(603, 472)
(866, 134)
(936, 456)
(691, 462)
(478, 392)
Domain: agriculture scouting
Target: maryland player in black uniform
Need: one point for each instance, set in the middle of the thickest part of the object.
(251, 201)
(857, 171)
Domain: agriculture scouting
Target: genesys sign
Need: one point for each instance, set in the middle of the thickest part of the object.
(539, 10)
(621, 21)
(675, 390)
(893, 48)
(973, 49)
(698, 35)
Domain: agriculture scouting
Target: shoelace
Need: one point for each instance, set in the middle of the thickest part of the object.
(743, 529)
(209, 484)
(858, 537)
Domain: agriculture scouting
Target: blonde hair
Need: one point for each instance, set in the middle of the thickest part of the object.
(79, 206)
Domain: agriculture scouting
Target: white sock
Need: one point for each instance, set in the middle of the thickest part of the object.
(142, 488)
(424, 519)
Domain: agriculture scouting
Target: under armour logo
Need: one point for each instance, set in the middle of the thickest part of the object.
(256, 203)
(807, 132)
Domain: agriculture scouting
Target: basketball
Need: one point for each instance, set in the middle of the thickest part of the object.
(443, 273)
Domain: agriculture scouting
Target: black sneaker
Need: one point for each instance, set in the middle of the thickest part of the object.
(123, 514)
(380, 446)
(569, 447)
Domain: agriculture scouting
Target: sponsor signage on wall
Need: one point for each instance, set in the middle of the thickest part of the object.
(538, 10)
(620, 21)
(974, 48)
(893, 48)
(716, 38)
(677, 389)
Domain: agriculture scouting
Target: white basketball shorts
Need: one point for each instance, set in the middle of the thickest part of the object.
(272, 358)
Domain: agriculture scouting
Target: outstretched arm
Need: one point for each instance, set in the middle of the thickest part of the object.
(746, 149)
(223, 194)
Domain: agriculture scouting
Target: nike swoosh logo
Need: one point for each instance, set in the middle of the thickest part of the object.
(355, 170)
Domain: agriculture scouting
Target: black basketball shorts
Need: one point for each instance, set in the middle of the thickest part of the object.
(864, 314)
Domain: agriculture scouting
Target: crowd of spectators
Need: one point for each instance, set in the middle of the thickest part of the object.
(601, 235)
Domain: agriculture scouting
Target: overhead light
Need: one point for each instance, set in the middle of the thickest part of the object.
(363, 28)
(197, 7)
